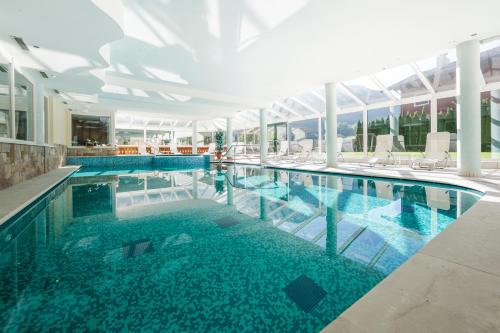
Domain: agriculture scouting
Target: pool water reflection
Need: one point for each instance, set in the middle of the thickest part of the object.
(235, 249)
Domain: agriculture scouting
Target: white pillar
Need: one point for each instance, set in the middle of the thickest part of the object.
(468, 109)
(39, 114)
(495, 124)
(394, 112)
(145, 135)
(320, 136)
(434, 115)
(195, 184)
(229, 137)
(331, 124)
(365, 132)
(112, 130)
(194, 137)
(263, 136)
(12, 102)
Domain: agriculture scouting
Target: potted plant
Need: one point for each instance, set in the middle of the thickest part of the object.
(219, 144)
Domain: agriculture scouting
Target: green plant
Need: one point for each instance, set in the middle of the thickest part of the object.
(219, 141)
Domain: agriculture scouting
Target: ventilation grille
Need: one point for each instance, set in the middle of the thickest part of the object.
(3, 69)
(21, 43)
(56, 91)
(44, 75)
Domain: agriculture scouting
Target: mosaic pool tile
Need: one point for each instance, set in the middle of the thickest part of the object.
(137, 248)
(226, 221)
(305, 293)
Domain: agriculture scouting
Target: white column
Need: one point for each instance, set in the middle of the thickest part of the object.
(365, 132)
(112, 130)
(331, 124)
(434, 115)
(320, 136)
(229, 137)
(145, 135)
(394, 111)
(263, 136)
(495, 124)
(12, 103)
(468, 109)
(39, 114)
(194, 137)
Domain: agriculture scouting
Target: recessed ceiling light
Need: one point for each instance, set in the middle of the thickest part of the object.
(36, 46)
(474, 34)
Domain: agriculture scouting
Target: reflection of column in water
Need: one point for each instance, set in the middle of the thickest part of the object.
(434, 221)
(331, 216)
(114, 185)
(365, 199)
(459, 205)
(195, 185)
(229, 181)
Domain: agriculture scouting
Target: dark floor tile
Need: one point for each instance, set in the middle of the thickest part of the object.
(305, 293)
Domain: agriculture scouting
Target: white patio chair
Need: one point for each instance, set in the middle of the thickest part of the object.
(436, 153)
(383, 151)
(173, 148)
(306, 147)
(282, 152)
(142, 149)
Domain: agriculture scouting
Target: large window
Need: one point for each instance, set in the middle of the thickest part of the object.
(24, 107)
(4, 101)
(447, 119)
(414, 124)
(304, 129)
(350, 128)
(378, 124)
(90, 130)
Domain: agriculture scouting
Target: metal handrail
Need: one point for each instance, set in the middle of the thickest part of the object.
(232, 146)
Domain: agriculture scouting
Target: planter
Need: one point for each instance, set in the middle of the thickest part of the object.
(218, 154)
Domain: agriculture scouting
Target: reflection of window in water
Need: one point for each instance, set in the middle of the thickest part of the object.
(91, 199)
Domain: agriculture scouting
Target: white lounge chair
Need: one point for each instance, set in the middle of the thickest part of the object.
(142, 149)
(436, 153)
(282, 152)
(211, 149)
(306, 147)
(383, 151)
(173, 149)
(155, 149)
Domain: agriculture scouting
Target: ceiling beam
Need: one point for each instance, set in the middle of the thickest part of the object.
(352, 95)
(423, 78)
(318, 95)
(289, 109)
(384, 89)
(307, 106)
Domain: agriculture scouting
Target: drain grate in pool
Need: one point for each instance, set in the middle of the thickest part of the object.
(136, 248)
(305, 293)
(226, 222)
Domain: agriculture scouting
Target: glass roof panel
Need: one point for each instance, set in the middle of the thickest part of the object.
(297, 107)
(344, 101)
(402, 81)
(367, 90)
(490, 61)
(440, 70)
(313, 101)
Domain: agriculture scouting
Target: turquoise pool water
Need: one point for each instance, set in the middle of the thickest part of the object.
(240, 249)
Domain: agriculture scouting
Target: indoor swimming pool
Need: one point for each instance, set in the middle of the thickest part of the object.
(228, 248)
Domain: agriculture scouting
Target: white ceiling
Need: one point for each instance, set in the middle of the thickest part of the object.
(204, 59)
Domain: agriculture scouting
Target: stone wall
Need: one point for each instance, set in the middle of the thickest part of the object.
(19, 162)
